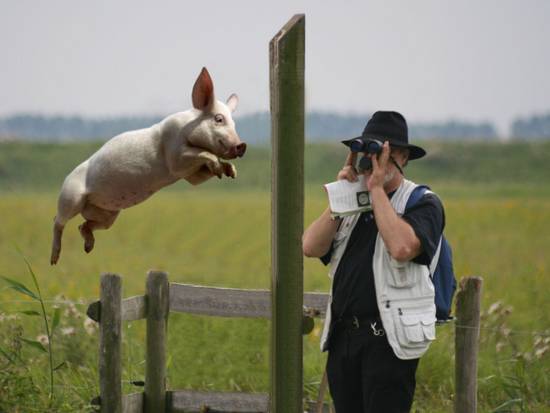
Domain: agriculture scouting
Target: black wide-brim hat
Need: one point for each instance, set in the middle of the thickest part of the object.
(392, 127)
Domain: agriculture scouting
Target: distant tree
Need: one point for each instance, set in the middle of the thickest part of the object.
(534, 127)
(254, 128)
(453, 129)
(62, 128)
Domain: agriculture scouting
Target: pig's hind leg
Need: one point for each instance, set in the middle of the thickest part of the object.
(96, 218)
(70, 203)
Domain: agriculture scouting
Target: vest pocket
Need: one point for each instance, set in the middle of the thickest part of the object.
(401, 275)
(428, 327)
(414, 326)
(413, 329)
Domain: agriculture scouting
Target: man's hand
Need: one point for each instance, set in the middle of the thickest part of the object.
(375, 179)
(348, 171)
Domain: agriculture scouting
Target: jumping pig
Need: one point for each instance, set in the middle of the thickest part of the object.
(132, 166)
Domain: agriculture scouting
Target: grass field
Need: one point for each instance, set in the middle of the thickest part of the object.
(219, 234)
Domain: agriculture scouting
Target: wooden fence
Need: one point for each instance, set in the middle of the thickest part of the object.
(163, 297)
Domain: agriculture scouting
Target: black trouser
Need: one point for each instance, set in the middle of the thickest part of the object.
(364, 374)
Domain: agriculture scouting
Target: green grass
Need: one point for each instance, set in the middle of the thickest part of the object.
(219, 234)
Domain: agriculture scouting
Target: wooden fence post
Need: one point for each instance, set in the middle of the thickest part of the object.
(468, 301)
(110, 334)
(157, 299)
(287, 186)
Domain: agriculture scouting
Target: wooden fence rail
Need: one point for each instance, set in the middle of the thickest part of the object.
(214, 301)
(163, 297)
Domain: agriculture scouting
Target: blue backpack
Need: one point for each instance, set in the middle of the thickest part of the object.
(443, 277)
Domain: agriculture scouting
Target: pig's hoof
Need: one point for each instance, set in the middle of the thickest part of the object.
(88, 246)
(216, 168)
(230, 170)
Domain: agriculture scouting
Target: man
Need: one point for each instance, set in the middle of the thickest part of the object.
(381, 316)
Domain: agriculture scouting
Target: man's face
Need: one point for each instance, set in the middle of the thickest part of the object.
(401, 156)
(398, 156)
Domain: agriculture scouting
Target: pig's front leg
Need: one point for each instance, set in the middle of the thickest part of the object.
(197, 165)
(204, 173)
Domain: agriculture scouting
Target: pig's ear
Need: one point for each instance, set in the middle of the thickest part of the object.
(232, 102)
(203, 91)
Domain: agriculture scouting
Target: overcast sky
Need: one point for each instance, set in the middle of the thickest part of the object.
(431, 60)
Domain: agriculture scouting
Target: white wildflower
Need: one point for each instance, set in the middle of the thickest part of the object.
(494, 307)
(90, 326)
(43, 339)
(68, 331)
(541, 351)
(71, 311)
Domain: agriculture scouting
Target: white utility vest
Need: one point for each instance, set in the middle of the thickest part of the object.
(404, 290)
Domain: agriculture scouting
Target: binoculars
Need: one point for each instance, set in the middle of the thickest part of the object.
(371, 146)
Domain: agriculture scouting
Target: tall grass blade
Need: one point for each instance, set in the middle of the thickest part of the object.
(19, 287)
(505, 407)
(45, 318)
(60, 365)
(55, 319)
(35, 344)
(29, 312)
(6, 355)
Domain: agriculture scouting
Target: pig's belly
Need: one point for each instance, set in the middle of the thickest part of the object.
(116, 200)
(115, 188)
(115, 194)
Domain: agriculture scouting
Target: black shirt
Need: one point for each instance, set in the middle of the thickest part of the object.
(353, 286)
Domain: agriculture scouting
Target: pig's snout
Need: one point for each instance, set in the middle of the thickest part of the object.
(239, 149)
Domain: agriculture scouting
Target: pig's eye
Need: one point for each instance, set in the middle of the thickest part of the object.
(219, 119)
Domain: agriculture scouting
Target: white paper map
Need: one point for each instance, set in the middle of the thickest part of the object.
(347, 198)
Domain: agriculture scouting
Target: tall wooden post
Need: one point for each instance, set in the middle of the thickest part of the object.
(468, 301)
(110, 336)
(157, 317)
(287, 186)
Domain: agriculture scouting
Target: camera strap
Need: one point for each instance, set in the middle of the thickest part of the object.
(397, 165)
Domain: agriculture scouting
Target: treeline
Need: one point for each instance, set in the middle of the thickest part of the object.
(69, 128)
(534, 127)
(44, 166)
(255, 128)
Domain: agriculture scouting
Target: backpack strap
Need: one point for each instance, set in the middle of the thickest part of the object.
(415, 196)
(435, 259)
